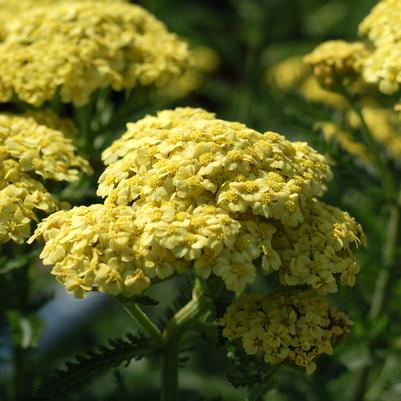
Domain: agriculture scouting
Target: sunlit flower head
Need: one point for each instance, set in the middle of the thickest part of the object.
(381, 27)
(212, 196)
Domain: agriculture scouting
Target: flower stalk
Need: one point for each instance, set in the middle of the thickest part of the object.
(382, 290)
(177, 326)
(383, 283)
(142, 319)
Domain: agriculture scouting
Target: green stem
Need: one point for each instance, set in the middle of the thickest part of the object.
(83, 118)
(169, 370)
(21, 380)
(373, 148)
(142, 320)
(382, 290)
(176, 327)
(389, 253)
(257, 392)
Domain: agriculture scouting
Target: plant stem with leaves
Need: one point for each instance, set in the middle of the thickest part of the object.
(169, 340)
(383, 288)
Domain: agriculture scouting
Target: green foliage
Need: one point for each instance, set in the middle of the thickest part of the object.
(96, 362)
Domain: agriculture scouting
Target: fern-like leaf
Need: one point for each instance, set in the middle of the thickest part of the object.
(94, 363)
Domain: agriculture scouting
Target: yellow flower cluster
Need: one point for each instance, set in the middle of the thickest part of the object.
(213, 196)
(79, 47)
(189, 155)
(293, 327)
(91, 247)
(39, 149)
(293, 74)
(381, 26)
(318, 251)
(383, 67)
(336, 62)
(30, 151)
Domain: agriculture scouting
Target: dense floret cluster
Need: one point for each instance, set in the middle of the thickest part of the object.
(78, 47)
(30, 153)
(296, 327)
(208, 195)
(336, 62)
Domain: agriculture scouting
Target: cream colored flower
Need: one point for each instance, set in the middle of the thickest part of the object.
(81, 46)
(319, 251)
(381, 26)
(296, 327)
(219, 198)
(29, 153)
(335, 62)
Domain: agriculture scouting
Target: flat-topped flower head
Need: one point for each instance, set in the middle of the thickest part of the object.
(76, 48)
(31, 152)
(218, 198)
(383, 68)
(188, 155)
(337, 62)
(295, 327)
(22, 201)
(122, 249)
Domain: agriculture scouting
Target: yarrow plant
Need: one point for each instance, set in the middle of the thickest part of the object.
(241, 216)
(186, 192)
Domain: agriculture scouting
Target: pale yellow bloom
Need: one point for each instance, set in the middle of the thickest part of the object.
(381, 26)
(78, 47)
(319, 251)
(335, 62)
(296, 327)
(29, 153)
(188, 154)
(40, 149)
(94, 248)
(220, 198)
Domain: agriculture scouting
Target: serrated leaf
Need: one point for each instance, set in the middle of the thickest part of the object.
(94, 363)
